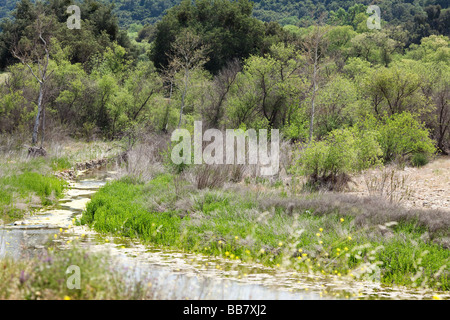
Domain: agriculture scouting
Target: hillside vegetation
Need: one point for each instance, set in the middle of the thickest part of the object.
(346, 100)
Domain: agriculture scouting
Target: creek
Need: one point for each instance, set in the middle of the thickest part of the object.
(175, 274)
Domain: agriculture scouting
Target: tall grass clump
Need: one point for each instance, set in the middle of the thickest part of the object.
(419, 159)
(45, 278)
(24, 188)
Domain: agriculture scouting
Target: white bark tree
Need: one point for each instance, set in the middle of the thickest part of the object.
(34, 52)
(188, 54)
(315, 47)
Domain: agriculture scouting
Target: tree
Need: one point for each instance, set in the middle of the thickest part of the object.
(393, 90)
(99, 31)
(35, 52)
(267, 91)
(226, 26)
(188, 53)
(374, 46)
(336, 105)
(315, 46)
(218, 91)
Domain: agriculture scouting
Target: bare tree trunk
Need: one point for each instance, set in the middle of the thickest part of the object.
(38, 116)
(183, 97)
(166, 117)
(34, 56)
(43, 127)
(313, 98)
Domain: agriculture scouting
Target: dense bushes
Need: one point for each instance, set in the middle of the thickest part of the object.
(374, 142)
(343, 151)
(401, 136)
(273, 81)
(227, 27)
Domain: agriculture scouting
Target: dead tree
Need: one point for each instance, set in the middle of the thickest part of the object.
(34, 52)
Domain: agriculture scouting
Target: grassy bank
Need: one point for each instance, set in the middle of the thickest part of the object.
(333, 234)
(45, 278)
(20, 191)
(28, 183)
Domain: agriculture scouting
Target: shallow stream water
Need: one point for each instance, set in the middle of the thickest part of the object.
(180, 275)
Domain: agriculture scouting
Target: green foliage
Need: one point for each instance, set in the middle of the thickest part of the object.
(337, 103)
(104, 86)
(394, 90)
(401, 136)
(225, 26)
(28, 182)
(343, 151)
(61, 163)
(100, 29)
(267, 90)
(431, 49)
(419, 159)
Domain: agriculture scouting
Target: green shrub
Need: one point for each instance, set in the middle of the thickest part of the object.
(400, 136)
(419, 159)
(342, 152)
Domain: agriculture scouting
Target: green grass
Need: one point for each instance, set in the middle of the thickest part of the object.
(231, 224)
(61, 163)
(26, 182)
(20, 188)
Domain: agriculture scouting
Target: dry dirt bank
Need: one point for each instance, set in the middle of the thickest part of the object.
(425, 187)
